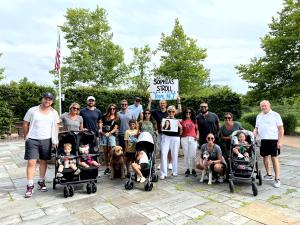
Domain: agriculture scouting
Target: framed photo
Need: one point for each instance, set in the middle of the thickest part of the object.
(170, 125)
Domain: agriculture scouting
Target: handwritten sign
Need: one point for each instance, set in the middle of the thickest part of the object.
(163, 89)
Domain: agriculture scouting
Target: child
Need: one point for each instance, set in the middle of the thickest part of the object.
(67, 161)
(143, 162)
(130, 139)
(86, 160)
(241, 149)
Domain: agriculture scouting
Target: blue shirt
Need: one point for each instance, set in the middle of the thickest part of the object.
(135, 110)
(91, 119)
(124, 118)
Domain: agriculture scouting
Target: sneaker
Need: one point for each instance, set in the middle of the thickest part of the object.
(158, 167)
(138, 179)
(106, 171)
(42, 186)
(187, 173)
(162, 177)
(194, 173)
(268, 177)
(170, 167)
(276, 183)
(29, 191)
(77, 172)
(240, 156)
(59, 175)
(142, 179)
(174, 174)
(247, 159)
(220, 179)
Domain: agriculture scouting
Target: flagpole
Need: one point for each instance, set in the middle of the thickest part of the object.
(58, 68)
(59, 91)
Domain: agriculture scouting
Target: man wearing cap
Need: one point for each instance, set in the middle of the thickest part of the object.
(136, 109)
(91, 117)
(40, 128)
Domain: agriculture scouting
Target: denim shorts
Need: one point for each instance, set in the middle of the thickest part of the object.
(111, 140)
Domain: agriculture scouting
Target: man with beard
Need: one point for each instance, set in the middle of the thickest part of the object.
(92, 117)
(208, 122)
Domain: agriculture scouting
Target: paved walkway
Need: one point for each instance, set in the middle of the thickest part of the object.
(176, 200)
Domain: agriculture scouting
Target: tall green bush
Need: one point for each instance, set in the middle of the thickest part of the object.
(289, 123)
(6, 117)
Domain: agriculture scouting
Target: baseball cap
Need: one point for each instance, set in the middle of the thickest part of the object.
(48, 95)
(137, 99)
(91, 98)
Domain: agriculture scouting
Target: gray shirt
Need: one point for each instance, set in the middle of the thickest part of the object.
(71, 124)
(213, 153)
(124, 118)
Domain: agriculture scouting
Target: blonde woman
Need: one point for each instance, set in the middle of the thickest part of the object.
(72, 120)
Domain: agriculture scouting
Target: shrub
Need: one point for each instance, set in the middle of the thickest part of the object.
(246, 125)
(6, 117)
(250, 118)
(289, 123)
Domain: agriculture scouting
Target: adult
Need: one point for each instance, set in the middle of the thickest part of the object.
(136, 109)
(109, 128)
(158, 115)
(91, 117)
(124, 117)
(225, 132)
(72, 120)
(208, 122)
(189, 137)
(269, 129)
(216, 162)
(40, 128)
(170, 142)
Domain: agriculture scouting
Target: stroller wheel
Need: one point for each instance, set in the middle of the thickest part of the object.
(129, 185)
(54, 183)
(66, 192)
(148, 186)
(154, 177)
(259, 177)
(231, 186)
(71, 191)
(89, 188)
(254, 189)
(94, 188)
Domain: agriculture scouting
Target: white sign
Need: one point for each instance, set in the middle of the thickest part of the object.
(169, 125)
(163, 89)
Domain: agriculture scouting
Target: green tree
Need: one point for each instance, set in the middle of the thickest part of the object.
(1, 71)
(277, 74)
(140, 67)
(94, 59)
(182, 59)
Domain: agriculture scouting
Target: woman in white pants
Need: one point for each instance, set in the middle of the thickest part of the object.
(189, 137)
(170, 141)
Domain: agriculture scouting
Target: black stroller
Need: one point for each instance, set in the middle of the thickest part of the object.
(241, 169)
(145, 142)
(87, 175)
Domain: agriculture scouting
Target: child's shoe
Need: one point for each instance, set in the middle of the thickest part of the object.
(77, 172)
(59, 175)
(138, 179)
(143, 179)
(240, 156)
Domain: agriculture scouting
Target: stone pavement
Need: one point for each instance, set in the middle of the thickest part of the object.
(176, 200)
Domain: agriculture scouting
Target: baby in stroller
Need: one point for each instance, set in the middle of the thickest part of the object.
(241, 148)
(67, 160)
(142, 162)
(86, 160)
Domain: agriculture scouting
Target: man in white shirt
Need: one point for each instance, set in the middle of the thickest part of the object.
(40, 128)
(136, 109)
(269, 128)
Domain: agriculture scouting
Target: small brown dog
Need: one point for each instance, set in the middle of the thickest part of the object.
(117, 163)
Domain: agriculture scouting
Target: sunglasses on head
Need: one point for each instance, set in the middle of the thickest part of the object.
(210, 138)
(75, 108)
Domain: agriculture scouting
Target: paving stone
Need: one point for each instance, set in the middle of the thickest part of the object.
(215, 208)
(234, 218)
(106, 209)
(32, 214)
(141, 207)
(17, 173)
(154, 214)
(210, 220)
(56, 210)
(13, 219)
(90, 216)
(193, 212)
(234, 203)
(161, 222)
(3, 172)
(126, 216)
(179, 218)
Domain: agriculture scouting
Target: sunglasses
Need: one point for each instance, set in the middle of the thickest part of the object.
(203, 106)
(91, 100)
(124, 104)
(147, 113)
(112, 108)
(188, 112)
(171, 112)
(210, 138)
(75, 108)
(227, 118)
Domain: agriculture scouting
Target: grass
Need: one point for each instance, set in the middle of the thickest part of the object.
(108, 201)
(10, 197)
(290, 190)
(245, 204)
(179, 187)
(39, 205)
(274, 198)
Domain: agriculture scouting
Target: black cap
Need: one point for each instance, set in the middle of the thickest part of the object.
(137, 99)
(48, 95)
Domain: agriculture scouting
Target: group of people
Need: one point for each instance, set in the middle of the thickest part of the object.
(41, 127)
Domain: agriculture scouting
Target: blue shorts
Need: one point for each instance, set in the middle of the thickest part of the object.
(111, 140)
(38, 149)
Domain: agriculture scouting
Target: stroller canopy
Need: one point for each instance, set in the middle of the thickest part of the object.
(145, 141)
(246, 132)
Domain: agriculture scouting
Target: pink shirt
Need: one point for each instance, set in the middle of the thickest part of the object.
(188, 128)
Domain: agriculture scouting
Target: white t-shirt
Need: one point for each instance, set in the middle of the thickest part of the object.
(144, 158)
(135, 110)
(267, 125)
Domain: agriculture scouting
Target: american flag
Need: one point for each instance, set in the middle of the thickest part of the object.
(57, 56)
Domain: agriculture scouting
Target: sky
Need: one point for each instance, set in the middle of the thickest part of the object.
(230, 31)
